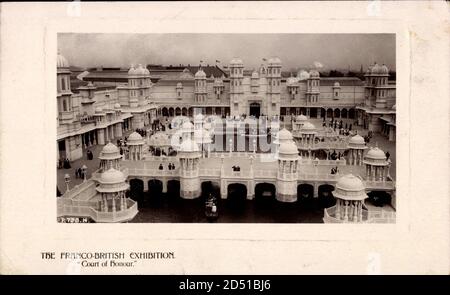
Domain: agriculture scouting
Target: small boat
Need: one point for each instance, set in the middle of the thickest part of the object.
(211, 211)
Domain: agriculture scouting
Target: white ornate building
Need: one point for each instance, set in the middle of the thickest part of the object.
(98, 114)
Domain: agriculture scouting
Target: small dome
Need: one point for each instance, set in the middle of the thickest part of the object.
(140, 70)
(255, 75)
(314, 74)
(284, 134)
(112, 176)
(336, 84)
(307, 126)
(146, 71)
(159, 139)
(274, 61)
(98, 109)
(132, 71)
(199, 116)
(117, 106)
(376, 154)
(384, 70)
(135, 139)
(61, 61)
(179, 85)
(357, 140)
(207, 126)
(376, 69)
(218, 81)
(291, 81)
(200, 74)
(189, 146)
(288, 148)
(350, 183)
(301, 118)
(236, 61)
(303, 75)
(110, 148)
(187, 125)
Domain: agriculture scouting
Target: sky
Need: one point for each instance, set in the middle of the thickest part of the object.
(332, 51)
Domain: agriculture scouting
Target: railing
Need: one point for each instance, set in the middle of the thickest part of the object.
(379, 184)
(98, 216)
(209, 172)
(152, 172)
(80, 190)
(65, 115)
(265, 173)
(330, 213)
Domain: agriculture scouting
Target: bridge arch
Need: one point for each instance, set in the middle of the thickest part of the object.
(265, 192)
(173, 188)
(305, 191)
(136, 190)
(325, 195)
(379, 198)
(237, 193)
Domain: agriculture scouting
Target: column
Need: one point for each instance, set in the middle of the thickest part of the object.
(355, 211)
(338, 209)
(346, 211)
(113, 203)
(164, 187)
(360, 210)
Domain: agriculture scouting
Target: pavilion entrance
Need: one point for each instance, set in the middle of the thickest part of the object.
(255, 109)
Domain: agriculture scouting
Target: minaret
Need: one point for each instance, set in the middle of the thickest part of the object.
(287, 175)
(236, 88)
(189, 155)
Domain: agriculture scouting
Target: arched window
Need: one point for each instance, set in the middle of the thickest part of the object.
(63, 83)
(64, 105)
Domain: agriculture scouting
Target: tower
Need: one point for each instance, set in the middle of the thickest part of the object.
(273, 86)
(236, 89)
(312, 88)
(64, 93)
(287, 174)
(200, 86)
(139, 84)
(356, 146)
(376, 81)
(189, 155)
(67, 120)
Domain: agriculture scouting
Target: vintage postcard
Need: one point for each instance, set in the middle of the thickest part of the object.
(209, 138)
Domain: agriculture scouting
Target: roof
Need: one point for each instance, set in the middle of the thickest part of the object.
(343, 81)
(209, 70)
(107, 75)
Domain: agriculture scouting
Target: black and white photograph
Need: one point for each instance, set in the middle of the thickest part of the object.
(216, 137)
(226, 128)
